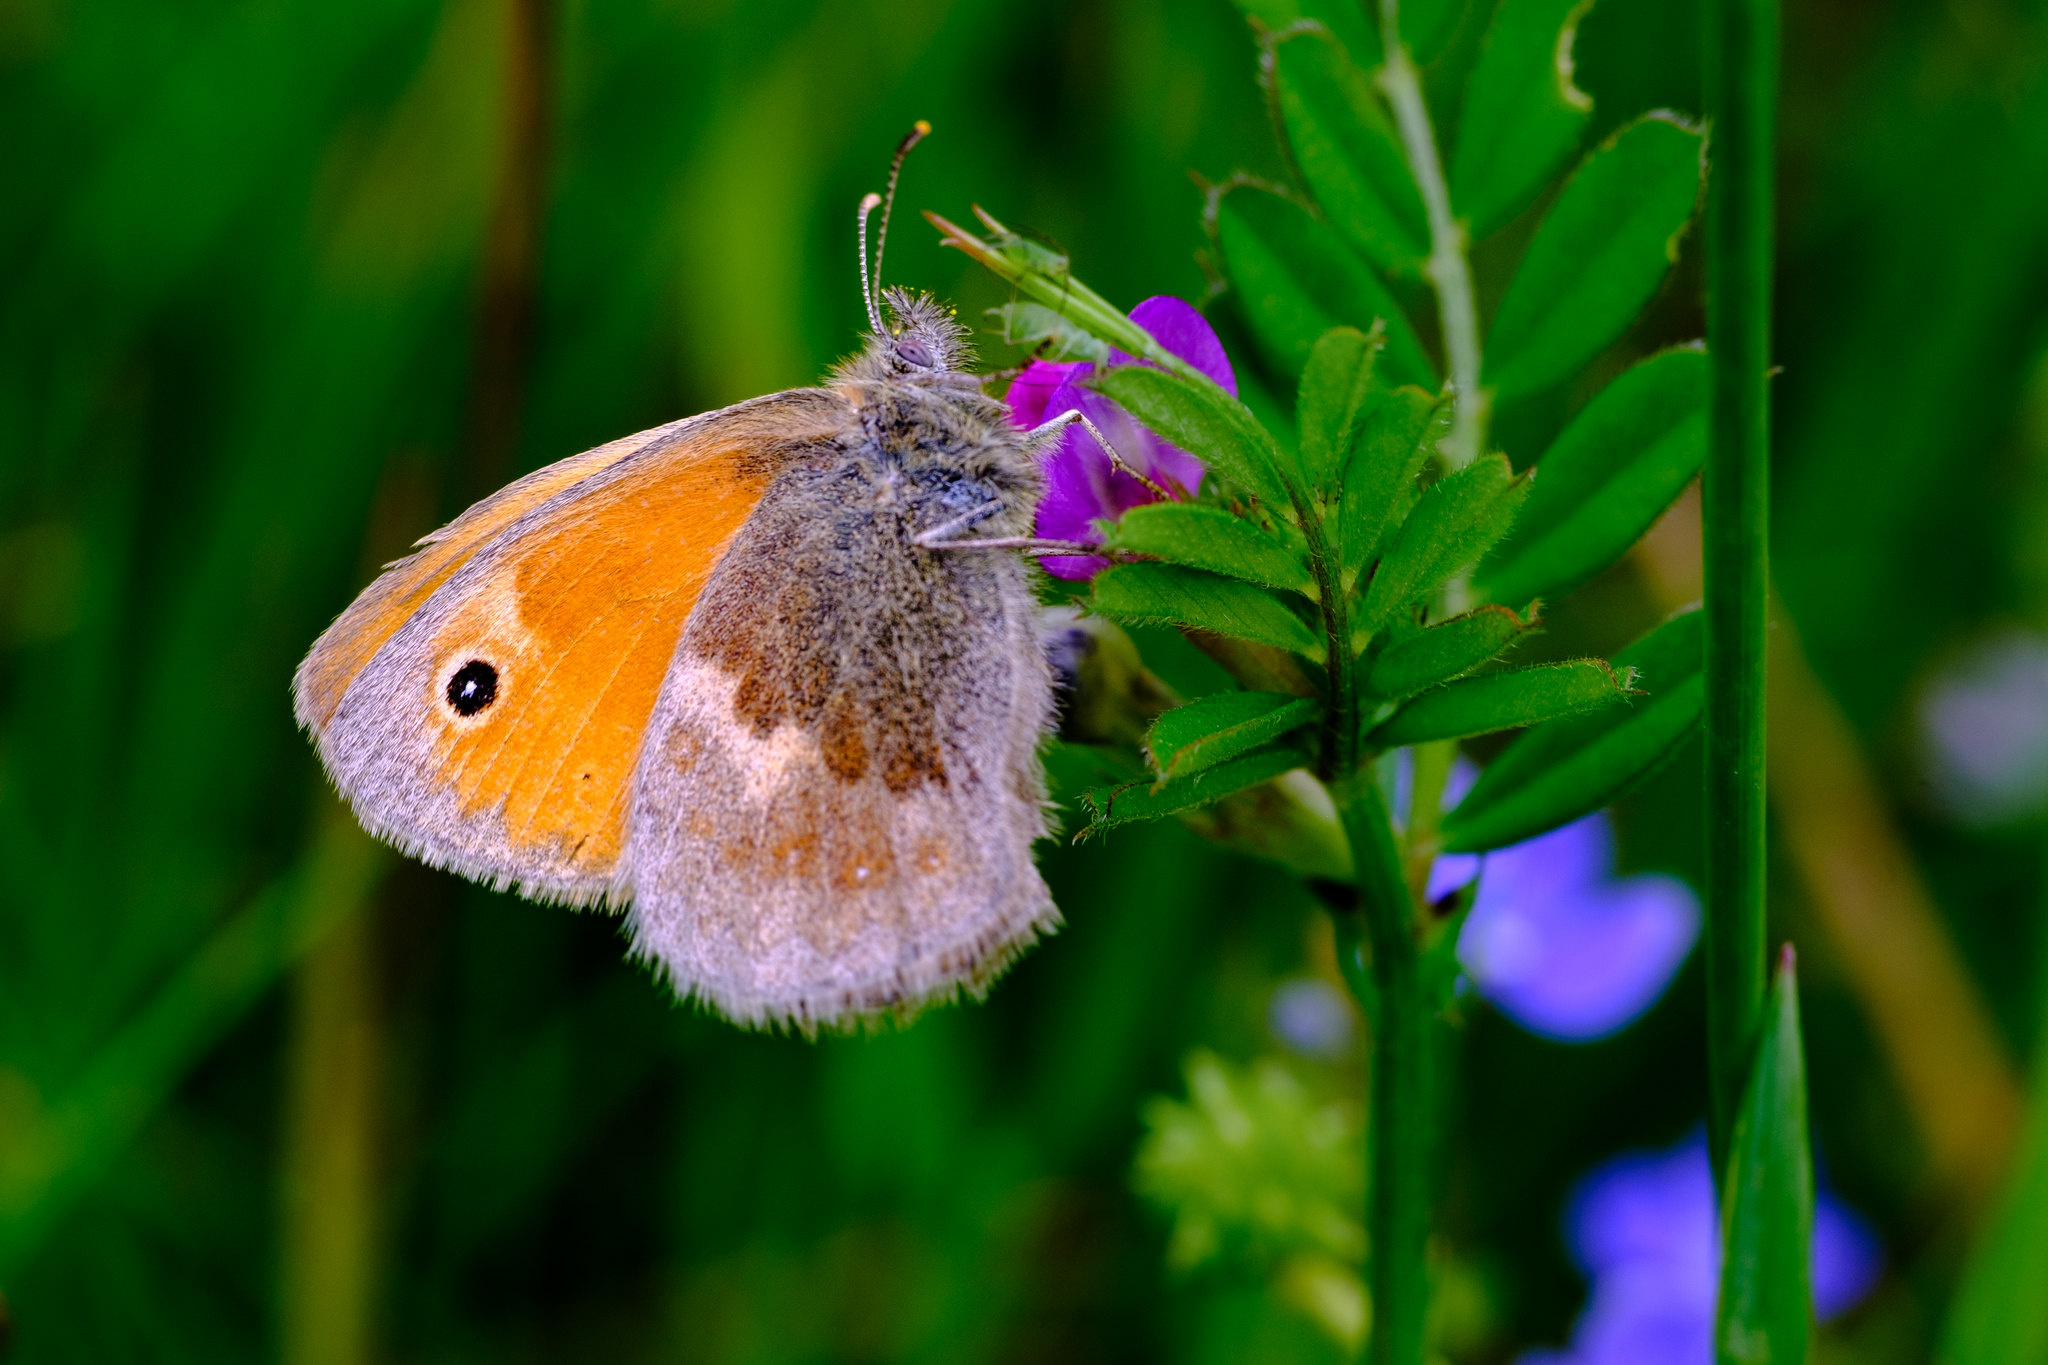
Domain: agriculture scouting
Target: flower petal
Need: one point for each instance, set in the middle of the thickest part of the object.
(1180, 327)
(1584, 963)
(1081, 486)
(1650, 1208)
(1642, 1227)
(1031, 392)
(1847, 1257)
(1574, 855)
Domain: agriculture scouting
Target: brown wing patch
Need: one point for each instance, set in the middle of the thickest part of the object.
(572, 606)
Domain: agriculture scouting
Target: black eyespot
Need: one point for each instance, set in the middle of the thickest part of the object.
(474, 686)
(914, 352)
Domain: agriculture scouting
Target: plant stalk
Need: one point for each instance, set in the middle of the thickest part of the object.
(1401, 1132)
(1449, 272)
(1741, 52)
(1341, 723)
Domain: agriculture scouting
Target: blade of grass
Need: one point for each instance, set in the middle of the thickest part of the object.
(1741, 89)
(1765, 1315)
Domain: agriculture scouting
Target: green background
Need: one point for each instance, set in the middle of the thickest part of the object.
(287, 283)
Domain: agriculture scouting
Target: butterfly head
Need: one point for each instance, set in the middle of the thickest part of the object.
(910, 335)
(920, 339)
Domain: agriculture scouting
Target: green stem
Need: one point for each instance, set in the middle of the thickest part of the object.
(1449, 271)
(1340, 720)
(1401, 1133)
(1741, 95)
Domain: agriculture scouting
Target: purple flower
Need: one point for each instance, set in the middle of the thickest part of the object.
(1555, 940)
(1081, 487)
(1565, 948)
(1644, 1231)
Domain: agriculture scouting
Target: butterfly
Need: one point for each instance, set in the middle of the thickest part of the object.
(769, 678)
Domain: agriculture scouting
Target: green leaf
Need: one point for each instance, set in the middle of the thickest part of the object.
(1620, 464)
(1208, 537)
(1397, 431)
(1426, 25)
(1523, 116)
(1203, 420)
(1457, 520)
(1336, 385)
(1141, 800)
(1178, 596)
(1347, 21)
(1297, 279)
(1558, 772)
(1502, 701)
(1346, 149)
(1765, 1315)
(1999, 1315)
(1598, 257)
(1217, 728)
(1443, 651)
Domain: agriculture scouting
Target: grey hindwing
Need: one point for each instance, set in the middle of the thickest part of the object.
(840, 785)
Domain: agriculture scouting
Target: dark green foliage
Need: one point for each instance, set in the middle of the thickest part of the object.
(1427, 25)
(1457, 519)
(1208, 537)
(1353, 26)
(1443, 651)
(1398, 430)
(1570, 768)
(1614, 471)
(1346, 149)
(1336, 387)
(268, 279)
(1133, 802)
(1172, 595)
(1523, 115)
(1216, 728)
(1600, 253)
(1766, 1308)
(1503, 701)
(1296, 278)
(1203, 420)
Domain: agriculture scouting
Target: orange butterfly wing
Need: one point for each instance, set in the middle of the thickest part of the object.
(572, 586)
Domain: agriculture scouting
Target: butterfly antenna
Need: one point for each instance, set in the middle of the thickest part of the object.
(873, 291)
(868, 204)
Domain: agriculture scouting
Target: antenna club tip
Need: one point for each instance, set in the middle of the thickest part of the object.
(922, 128)
(870, 202)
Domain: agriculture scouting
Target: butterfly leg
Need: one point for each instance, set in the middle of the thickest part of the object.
(972, 517)
(937, 537)
(1053, 426)
(1030, 545)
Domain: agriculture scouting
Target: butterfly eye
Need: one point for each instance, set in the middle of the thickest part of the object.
(474, 686)
(914, 352)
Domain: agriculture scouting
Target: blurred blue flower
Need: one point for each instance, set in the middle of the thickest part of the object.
(1644, 1231)
(1310, 1016)
(1555, 940)
(1081, 487)
(1560, 944)
(1984, 730)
